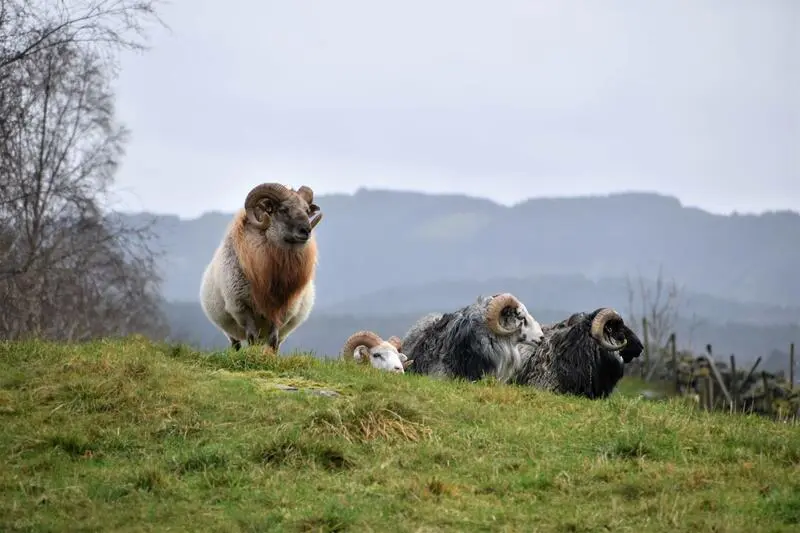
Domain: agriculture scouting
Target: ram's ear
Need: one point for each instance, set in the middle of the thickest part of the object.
(395, 341)
(407, 363)
(306, 193)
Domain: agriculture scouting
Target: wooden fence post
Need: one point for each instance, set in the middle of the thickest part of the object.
(646, 365)
(767, 393)
(709, 383)
(752, 369)
(734, 386)
(712, 370)
(703, 384)
(710, 390)
(674, 353)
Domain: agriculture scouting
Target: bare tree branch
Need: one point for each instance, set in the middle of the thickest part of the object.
(67, 269)
(29, 27)
(660, 305)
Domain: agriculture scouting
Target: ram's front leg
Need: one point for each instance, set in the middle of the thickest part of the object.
(273, 340)
(246, 320)
(236, 344)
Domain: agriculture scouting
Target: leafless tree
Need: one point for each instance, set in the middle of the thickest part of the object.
(660, 305)
(68, 268)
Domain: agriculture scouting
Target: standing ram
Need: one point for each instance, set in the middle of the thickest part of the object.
(259, 285)
(367, 347)
(477, 340)
(582, 355)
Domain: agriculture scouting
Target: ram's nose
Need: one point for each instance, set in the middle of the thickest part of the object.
(303, 232)
(398, 369)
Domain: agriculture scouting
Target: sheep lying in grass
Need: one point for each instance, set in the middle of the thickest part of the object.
(259, 285)
(368, 348)
(477, 340)
(582, 355)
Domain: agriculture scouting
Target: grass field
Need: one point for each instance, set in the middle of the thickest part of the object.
(132, 436)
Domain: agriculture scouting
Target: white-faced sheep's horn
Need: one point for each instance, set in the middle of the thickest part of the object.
(598, 326)
(360, 338)
(494, 312)
(266, 191)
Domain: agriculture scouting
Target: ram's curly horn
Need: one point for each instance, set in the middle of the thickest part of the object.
(315, 215)
(395, 341)
(495, 309)
(315, 219)
(598, 329)
(360, 338)
(306, 193)
(255, 198)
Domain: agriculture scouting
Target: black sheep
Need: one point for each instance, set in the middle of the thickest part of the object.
(582, 355)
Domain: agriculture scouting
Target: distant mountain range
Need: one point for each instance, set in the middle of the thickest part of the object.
(386, 257)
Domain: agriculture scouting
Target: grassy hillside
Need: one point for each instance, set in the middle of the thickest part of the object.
(131, 436)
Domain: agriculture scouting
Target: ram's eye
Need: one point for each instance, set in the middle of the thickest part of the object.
(376, 355)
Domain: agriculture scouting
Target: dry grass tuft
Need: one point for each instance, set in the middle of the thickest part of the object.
(363, 420)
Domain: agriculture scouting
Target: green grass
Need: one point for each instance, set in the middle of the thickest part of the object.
(132, 436)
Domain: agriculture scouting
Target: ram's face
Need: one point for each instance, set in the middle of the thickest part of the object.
(634, 347)
(383, 357)
(616, 332)
(530, 331)
(289, 220)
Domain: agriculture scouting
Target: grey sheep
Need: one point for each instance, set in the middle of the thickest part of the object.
(477, 340)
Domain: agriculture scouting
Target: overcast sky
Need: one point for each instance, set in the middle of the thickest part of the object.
(505, 99)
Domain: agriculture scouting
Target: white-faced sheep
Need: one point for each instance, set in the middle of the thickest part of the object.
(477, 340)
(259, 285)
(582, 355)
(368, 348)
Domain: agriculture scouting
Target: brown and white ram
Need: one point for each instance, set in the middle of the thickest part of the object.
(259, 285)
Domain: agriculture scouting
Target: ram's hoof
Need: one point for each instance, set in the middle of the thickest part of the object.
(270, 351)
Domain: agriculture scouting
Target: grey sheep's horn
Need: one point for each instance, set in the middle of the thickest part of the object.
(598, 326)
(495, 309)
